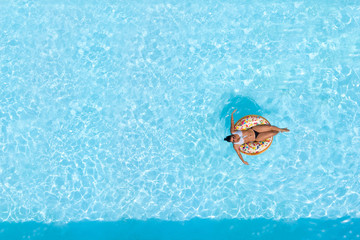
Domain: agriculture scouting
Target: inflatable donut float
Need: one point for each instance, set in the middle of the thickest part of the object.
(253, 148)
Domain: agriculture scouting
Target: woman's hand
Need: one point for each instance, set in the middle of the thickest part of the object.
(245, 162)
(233, 112)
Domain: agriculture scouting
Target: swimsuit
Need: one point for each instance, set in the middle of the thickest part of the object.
(239, 133)
(256, 134)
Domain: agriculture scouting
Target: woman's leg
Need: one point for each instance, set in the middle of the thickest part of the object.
(265, 135)
(267, 128)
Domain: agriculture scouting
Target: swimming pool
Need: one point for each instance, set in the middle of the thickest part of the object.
(113, 111)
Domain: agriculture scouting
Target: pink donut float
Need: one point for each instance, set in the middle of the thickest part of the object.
(253, 148)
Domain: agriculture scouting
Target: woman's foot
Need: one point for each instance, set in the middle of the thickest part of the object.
(284, 130)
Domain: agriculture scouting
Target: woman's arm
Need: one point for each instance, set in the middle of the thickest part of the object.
(239, 154)
(232, 128)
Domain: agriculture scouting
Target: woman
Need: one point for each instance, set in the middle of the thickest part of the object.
(253, 134)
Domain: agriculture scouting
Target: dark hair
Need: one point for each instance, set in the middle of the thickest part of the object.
(228, 138)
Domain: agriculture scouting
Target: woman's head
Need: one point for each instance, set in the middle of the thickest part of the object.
(229, 138)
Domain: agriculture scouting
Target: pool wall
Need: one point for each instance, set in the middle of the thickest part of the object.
(344, 228)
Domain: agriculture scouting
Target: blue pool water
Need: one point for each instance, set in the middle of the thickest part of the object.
(115, 111)
(194, 229)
